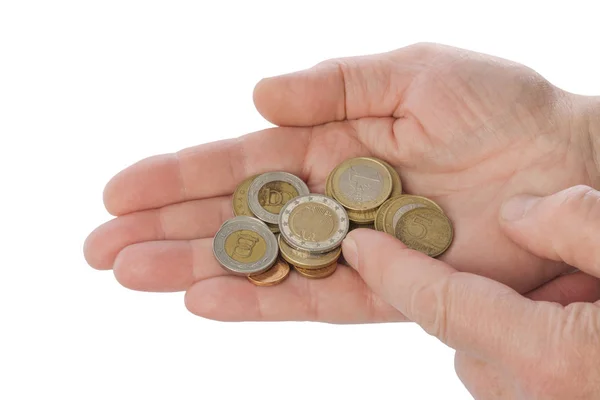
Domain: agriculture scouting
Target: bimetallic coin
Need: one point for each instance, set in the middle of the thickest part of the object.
(269, 192)
(317, 273)
(426, 230)
(245, 246)
(273, 276)
(359, 217)
(396, 182)
(305, 259)
(314, 223)
(361, 183)
(240, 198)
(401, 205)
(380, 215)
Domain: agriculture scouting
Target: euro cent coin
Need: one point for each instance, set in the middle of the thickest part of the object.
(273, 276)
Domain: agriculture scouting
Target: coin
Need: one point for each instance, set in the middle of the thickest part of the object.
(401, 205)
(359, 217)
(380, 215)
(305, 259)
(396, 182)
(269, 192)
(317, 273)
(426, 230)
(273, 276)
(354, 225)
(245, 246)
(361, 183)
(240, 198)
(314, 223)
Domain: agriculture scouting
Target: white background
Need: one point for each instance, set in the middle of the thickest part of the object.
(89, 87)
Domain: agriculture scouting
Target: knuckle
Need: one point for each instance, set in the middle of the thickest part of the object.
(438, 298)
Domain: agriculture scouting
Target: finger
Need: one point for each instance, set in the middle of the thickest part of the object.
(562, 227)
(208, 170)
(567, 289)
(482, 379)
(340, 298)
(166, 266)
(345, 88)
(466, 311)
(193, 219)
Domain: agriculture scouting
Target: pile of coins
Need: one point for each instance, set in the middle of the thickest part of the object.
(360, 192)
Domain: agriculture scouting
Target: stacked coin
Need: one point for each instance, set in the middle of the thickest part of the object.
(312, 229)
(262, 196)
(362, 185)
(371, 191)
(362, 192)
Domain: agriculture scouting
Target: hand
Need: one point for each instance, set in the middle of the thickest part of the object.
(464, 129)
(508, 346)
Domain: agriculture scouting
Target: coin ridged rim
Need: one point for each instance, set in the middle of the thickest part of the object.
(262, 180)
(321, 260)
(380, 216)
(383, 196)
(396, 181)
(318, 247)
(412, 197)
(320, 273)
(265, 278)
(237, 196)
(239, 224)
(425, 209)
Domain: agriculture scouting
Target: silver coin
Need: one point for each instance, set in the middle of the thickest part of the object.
(253, 253)
(403, 210)
(314, 223)
(261, 181)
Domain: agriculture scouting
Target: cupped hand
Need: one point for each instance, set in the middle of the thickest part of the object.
(508, 346)
(464, 129)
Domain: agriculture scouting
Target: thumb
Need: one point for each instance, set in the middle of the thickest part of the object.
(466, 311)
(562, 227)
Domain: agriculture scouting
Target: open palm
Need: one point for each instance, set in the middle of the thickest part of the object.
(464, 129)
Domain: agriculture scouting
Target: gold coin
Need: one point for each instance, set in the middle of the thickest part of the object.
(361, 183)
(305, 259)
(245, 246)
(426, 230)
(362, 217)
(273, 276)
(401, 205)
(317, 273)
(240, 198)
(273, 195)
(396, 182)
(274, 228)
(380, 215)
(354, 225)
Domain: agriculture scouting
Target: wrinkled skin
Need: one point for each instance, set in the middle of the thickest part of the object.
(464, 129)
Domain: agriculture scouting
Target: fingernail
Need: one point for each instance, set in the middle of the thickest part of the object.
(517, 207)
(350, 251)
